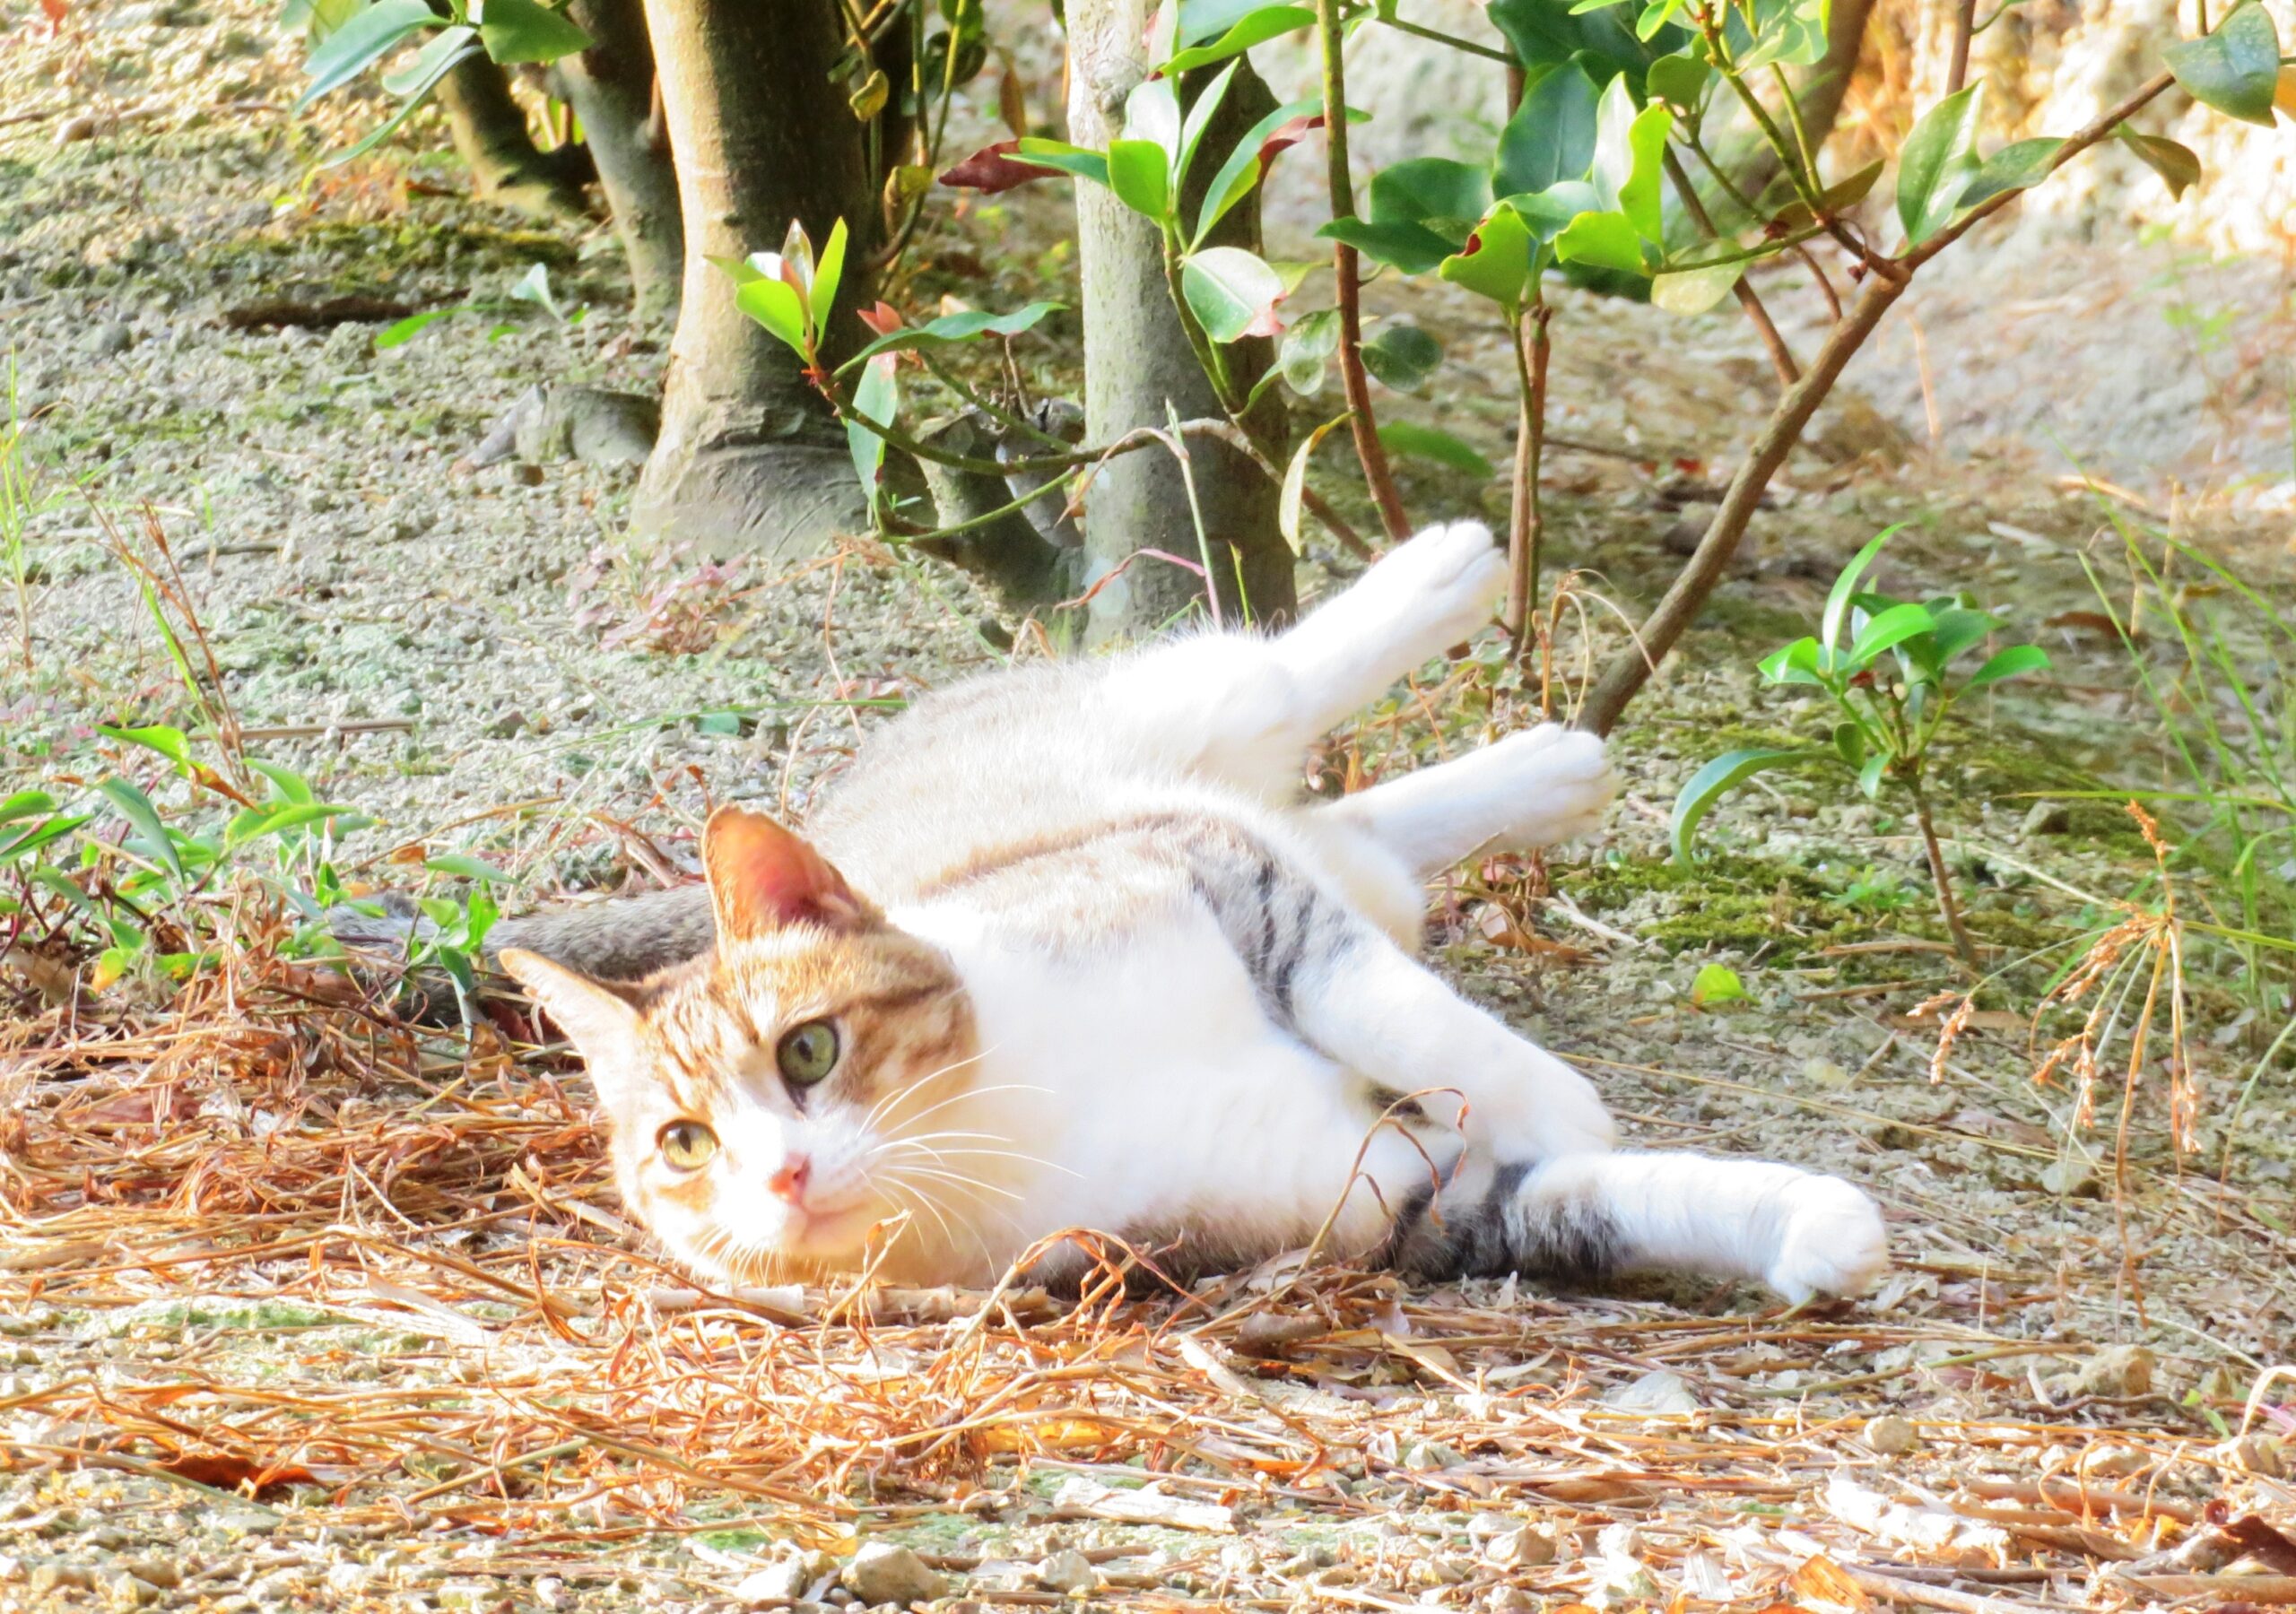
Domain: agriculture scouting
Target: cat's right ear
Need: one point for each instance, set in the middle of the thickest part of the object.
(601, 1021)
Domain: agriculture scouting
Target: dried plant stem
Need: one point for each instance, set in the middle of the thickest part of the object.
(1361, 422)
(1527, 521)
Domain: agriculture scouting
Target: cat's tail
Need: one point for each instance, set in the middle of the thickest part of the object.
(620, 939)
(1581, 1218)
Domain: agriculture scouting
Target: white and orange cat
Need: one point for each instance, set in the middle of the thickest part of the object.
(1064, 950)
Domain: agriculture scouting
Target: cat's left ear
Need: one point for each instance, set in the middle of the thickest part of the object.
(762, 878)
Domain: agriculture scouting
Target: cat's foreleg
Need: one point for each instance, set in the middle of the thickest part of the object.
(1531, 789)
(1583, 1218)
(1367, 1005)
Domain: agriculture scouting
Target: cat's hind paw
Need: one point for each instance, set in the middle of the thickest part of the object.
(1833, 1242)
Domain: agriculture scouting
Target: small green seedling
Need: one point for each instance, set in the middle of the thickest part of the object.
(1890, 685)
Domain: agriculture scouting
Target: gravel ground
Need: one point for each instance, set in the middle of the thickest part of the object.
(476, 659)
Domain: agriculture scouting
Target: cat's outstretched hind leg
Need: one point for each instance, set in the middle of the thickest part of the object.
(1529, 790)
(1244, 708)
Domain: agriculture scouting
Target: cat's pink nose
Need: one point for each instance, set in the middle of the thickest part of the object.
(789, 1181)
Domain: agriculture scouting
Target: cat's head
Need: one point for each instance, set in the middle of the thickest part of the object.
(773, 1102)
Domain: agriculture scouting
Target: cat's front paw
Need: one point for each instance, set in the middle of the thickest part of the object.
(1833, 1242)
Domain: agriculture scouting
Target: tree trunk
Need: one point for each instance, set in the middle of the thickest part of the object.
(1139, 370)
(750, 458)
(489, 133)
(610, 89)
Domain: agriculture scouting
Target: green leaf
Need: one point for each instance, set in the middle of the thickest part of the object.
(1869, 778)
(1497, 261)
(1957, 629)
(1402, 356)
(1603, 239)
(965, 326)
(1545, 33)
(40, 835)
(1790, 33)
(1152, 112)
(1549, 212)
(1850, 743)
(2016, 167)
(775, 305)
(1628, 146)
(1680, 80)
(1716, 983)
(1248, 164)
(1431, 443)
(291, 785)
(1231, 292)
(424, 68)
(828, 273)
(2012, 663)
(1139, 174)
(1551, 135)
(1937, 162)
(170, 743)
(1308, 344)
(876, 398)
(406, 330)
(315, 20)
(1255, 28)
(360, 42)
(2177, 165)
(1069, 159)
(1656, 16)
(1688, 291)
(520, 31)
(1845, 587)
(1892, 627)
(1446, 195)
(2235, 69)
(464, 866)
(534, 287)
(1294, 491)
(1413, 248)
(1198, 119)
(1710, 783)
(136, 808)
(24, 805)
(437, 59)
(1836, 198)
(1795, 663)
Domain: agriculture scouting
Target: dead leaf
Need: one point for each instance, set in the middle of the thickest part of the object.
(2088, 622)
(1821, 1580)
(224, 1470)
(2265, 1544)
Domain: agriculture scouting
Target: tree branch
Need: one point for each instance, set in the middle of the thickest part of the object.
(1782, 357)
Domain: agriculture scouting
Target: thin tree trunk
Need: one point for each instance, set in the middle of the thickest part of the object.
(490, 133)
(1139, 370)
(750, 458)
(610, 89)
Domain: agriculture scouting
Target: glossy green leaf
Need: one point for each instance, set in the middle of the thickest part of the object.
(1892, 627)
(521, 30)
(136, 808)
(315, 20)
(170, 743)
(1605, 239)
(358, 44)
(1549, 212)
(1716, 780)
(1198, 119)
(289, 784)
(1152, 112)
(1843, 593)
(1255, 28)
(1796, 664)
(2235, 69)
(1785, 33)
(1957, 629)
(1628, 144)
(1433, 443)
(1937, 162)
(25, 842)
(2014, 662)
(24, 805)
(1294, 493)
(875, 398)
(1413, 248)
(1680, 80)
(1688, 291)
(2178, 165)
(965, 326)
(1231, 292)
(437, 59)
(1496, 262)
(1836, 198)
(1402, 356)
(1869, 777)
(1420, 213)
(2015, 167)
(775, 304)
(1716, 983)
(1546, 33)
(1307, 346)
(1248, 164)
(1059, 154)
(464, 866)
(828, 273)
(1551, 135)
(402, 332)
(1139, 175)
(1850, 743)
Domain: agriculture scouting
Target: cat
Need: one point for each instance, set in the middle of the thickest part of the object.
(1063, 950)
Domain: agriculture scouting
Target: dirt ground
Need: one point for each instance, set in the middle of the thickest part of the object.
(300, 1309)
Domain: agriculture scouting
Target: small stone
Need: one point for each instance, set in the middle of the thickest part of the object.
(111, 338)
(882, 1573)
(1070, 1572)
(775, 1586)
(2048, 817)
(122, 1589)
(1656, 1392)
(2072, 1179)
(1429, 1456)
(59, 1577)
(163, 1573)
(2258, 1454)
(507, 725)
(530, 476)
(1891, 1436)
(1521, 1548)
(2121, 1370)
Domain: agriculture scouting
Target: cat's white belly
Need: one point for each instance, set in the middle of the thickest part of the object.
(1160, 1102)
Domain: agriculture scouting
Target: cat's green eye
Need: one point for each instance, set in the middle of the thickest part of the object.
(807, 1053)
(687, 1145)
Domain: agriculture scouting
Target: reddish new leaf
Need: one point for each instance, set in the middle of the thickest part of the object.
(1288, 133)
(992, 169)
(884, 319)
